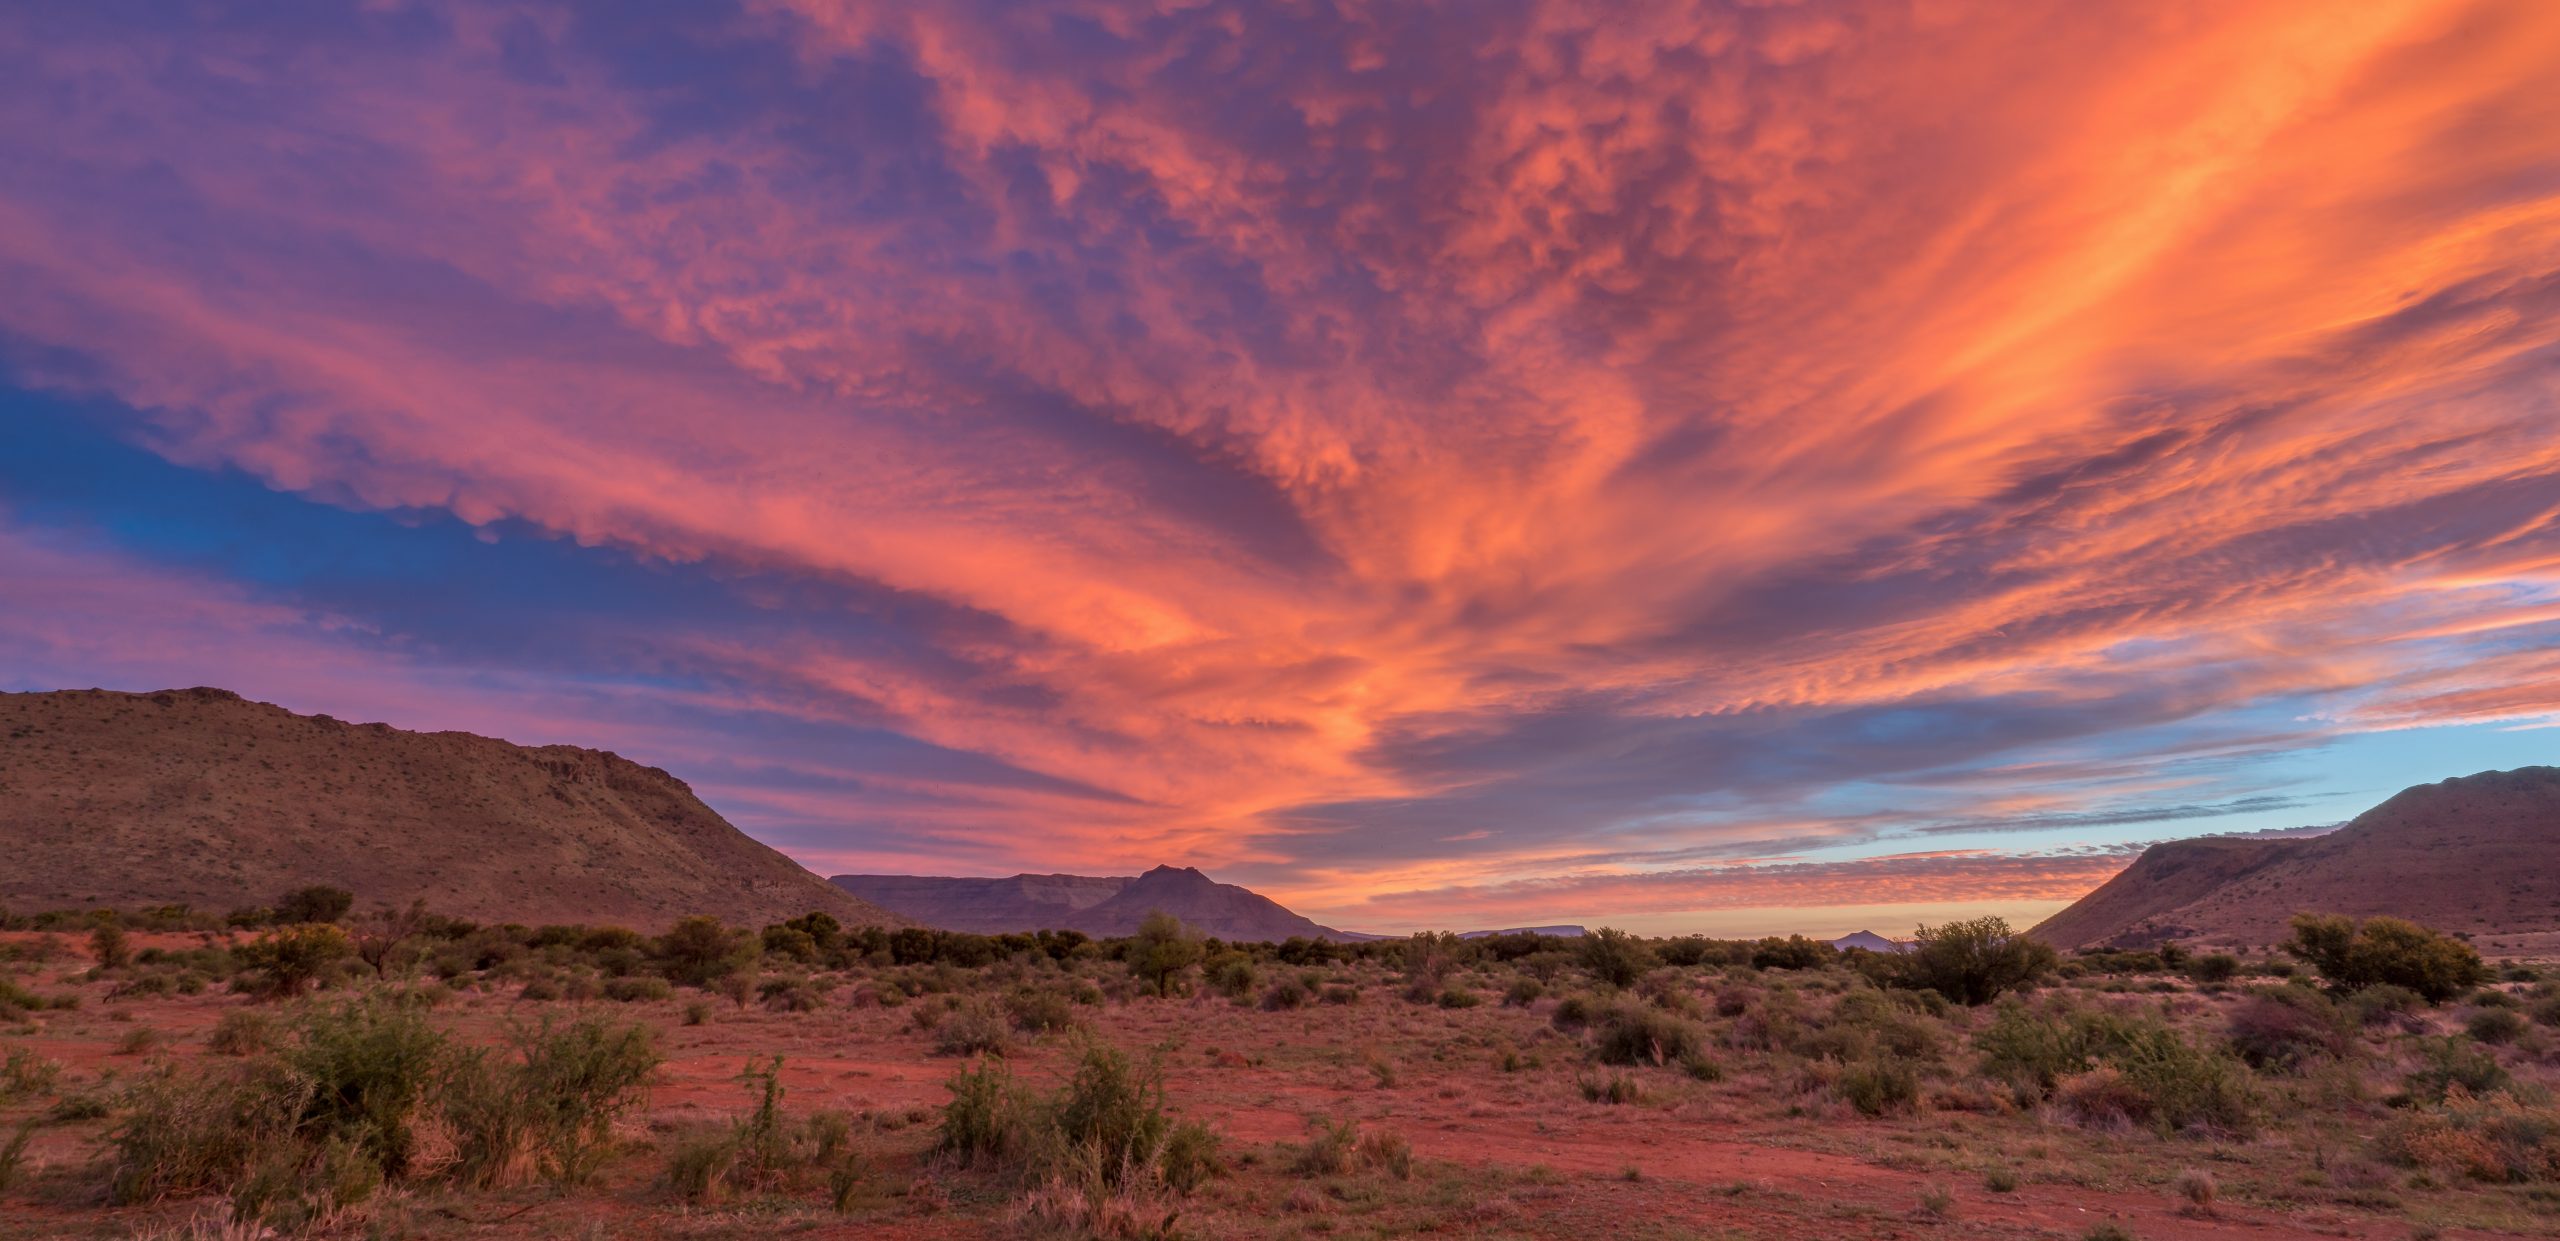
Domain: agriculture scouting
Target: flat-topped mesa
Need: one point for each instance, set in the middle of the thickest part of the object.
(203, 797)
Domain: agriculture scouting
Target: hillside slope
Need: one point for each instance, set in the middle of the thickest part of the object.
(2477, 854)
(202, 797)
(1095, 905)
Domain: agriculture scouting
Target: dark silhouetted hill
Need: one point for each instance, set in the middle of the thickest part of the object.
(204, 798)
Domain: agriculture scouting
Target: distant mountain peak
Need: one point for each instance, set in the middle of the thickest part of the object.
(1094, 905)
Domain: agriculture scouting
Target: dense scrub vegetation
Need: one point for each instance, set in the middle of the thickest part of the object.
(330, 1078)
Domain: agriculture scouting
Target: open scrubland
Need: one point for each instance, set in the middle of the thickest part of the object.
(310, 1071)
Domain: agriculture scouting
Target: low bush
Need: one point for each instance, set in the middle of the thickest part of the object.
(2103, 1066)
(2285, 1029)
(1878, 1085)
(1614, 957)
(2371, 1006)
(2354, 955)
(1037, 1011)
(1523, 992)
(2214, 967)
(547, 1106)
(2495, 1026)
(1640, 1034)
(637, 988)
(1283, 996)
(2495, 1138)
(1102, 1137)
(24, 1074)
(2451, 1063)
(970, 1030)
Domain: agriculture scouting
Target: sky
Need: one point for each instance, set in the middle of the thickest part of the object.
(1735, 466)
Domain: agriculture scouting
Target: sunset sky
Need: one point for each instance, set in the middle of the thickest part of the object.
(1734, 466)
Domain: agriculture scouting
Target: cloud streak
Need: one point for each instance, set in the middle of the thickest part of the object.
(1366, 450)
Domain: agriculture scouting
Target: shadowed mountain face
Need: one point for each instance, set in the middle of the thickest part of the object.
(2478, 853)
(1096, 906)
(204, 798)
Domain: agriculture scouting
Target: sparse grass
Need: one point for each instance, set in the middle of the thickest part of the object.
(241, 1032)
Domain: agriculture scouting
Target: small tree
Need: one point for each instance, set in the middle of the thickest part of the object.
(1615, 957)
(2385, 951)
(701, 948)
(1974, 962)
(294, 957)
(317, 903)
(108, 944)
(1161, 950)
(379, 937)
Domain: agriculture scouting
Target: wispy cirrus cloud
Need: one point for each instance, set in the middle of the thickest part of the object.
(1366, 450)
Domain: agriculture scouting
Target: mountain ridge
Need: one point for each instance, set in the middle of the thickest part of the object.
(204, 797)
(2478, 854)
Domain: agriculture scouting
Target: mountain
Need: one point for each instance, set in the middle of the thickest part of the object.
(1560, 932)
(1870, 941)
(1096, 906)
(2478, 854)
(202, 797)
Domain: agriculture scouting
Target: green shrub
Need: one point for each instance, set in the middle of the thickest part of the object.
(986, 1118)
(289, 959)
(1104, 1132)
(25, 1074)
(637, 989)
(2497, 1138)
(1039, 1011)
(1640, 1034)
(1795, 952)
(2103, 1066)
(317, 903)
(1879, 1085)
(972, 1029)
(2454, 1061)
(1161, 950)
(1284, 995)
(1232, 975)
(2286, 1028)
(549, 1106)
(699, 1169)
(196, 1132)
(2355, 955)
(1329, 1148)
(1614, 1088)
(2495, 1026)
(2370, 1006)
(1523, 992)
(2214, 967)
(13, 1153)
(109, 946)
(370, 1066)
(1454, 996)
(1340, 993)
(700, 950)
(1614, 957)
(1575, 1012)
(1972, 962)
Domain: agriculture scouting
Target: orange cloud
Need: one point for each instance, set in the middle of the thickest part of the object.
(1507, 419)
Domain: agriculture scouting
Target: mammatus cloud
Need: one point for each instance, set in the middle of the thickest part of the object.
(1369, 450)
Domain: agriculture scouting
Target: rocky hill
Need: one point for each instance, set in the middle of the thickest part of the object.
(2475, 854)
(1098, 906)
(202, 797)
